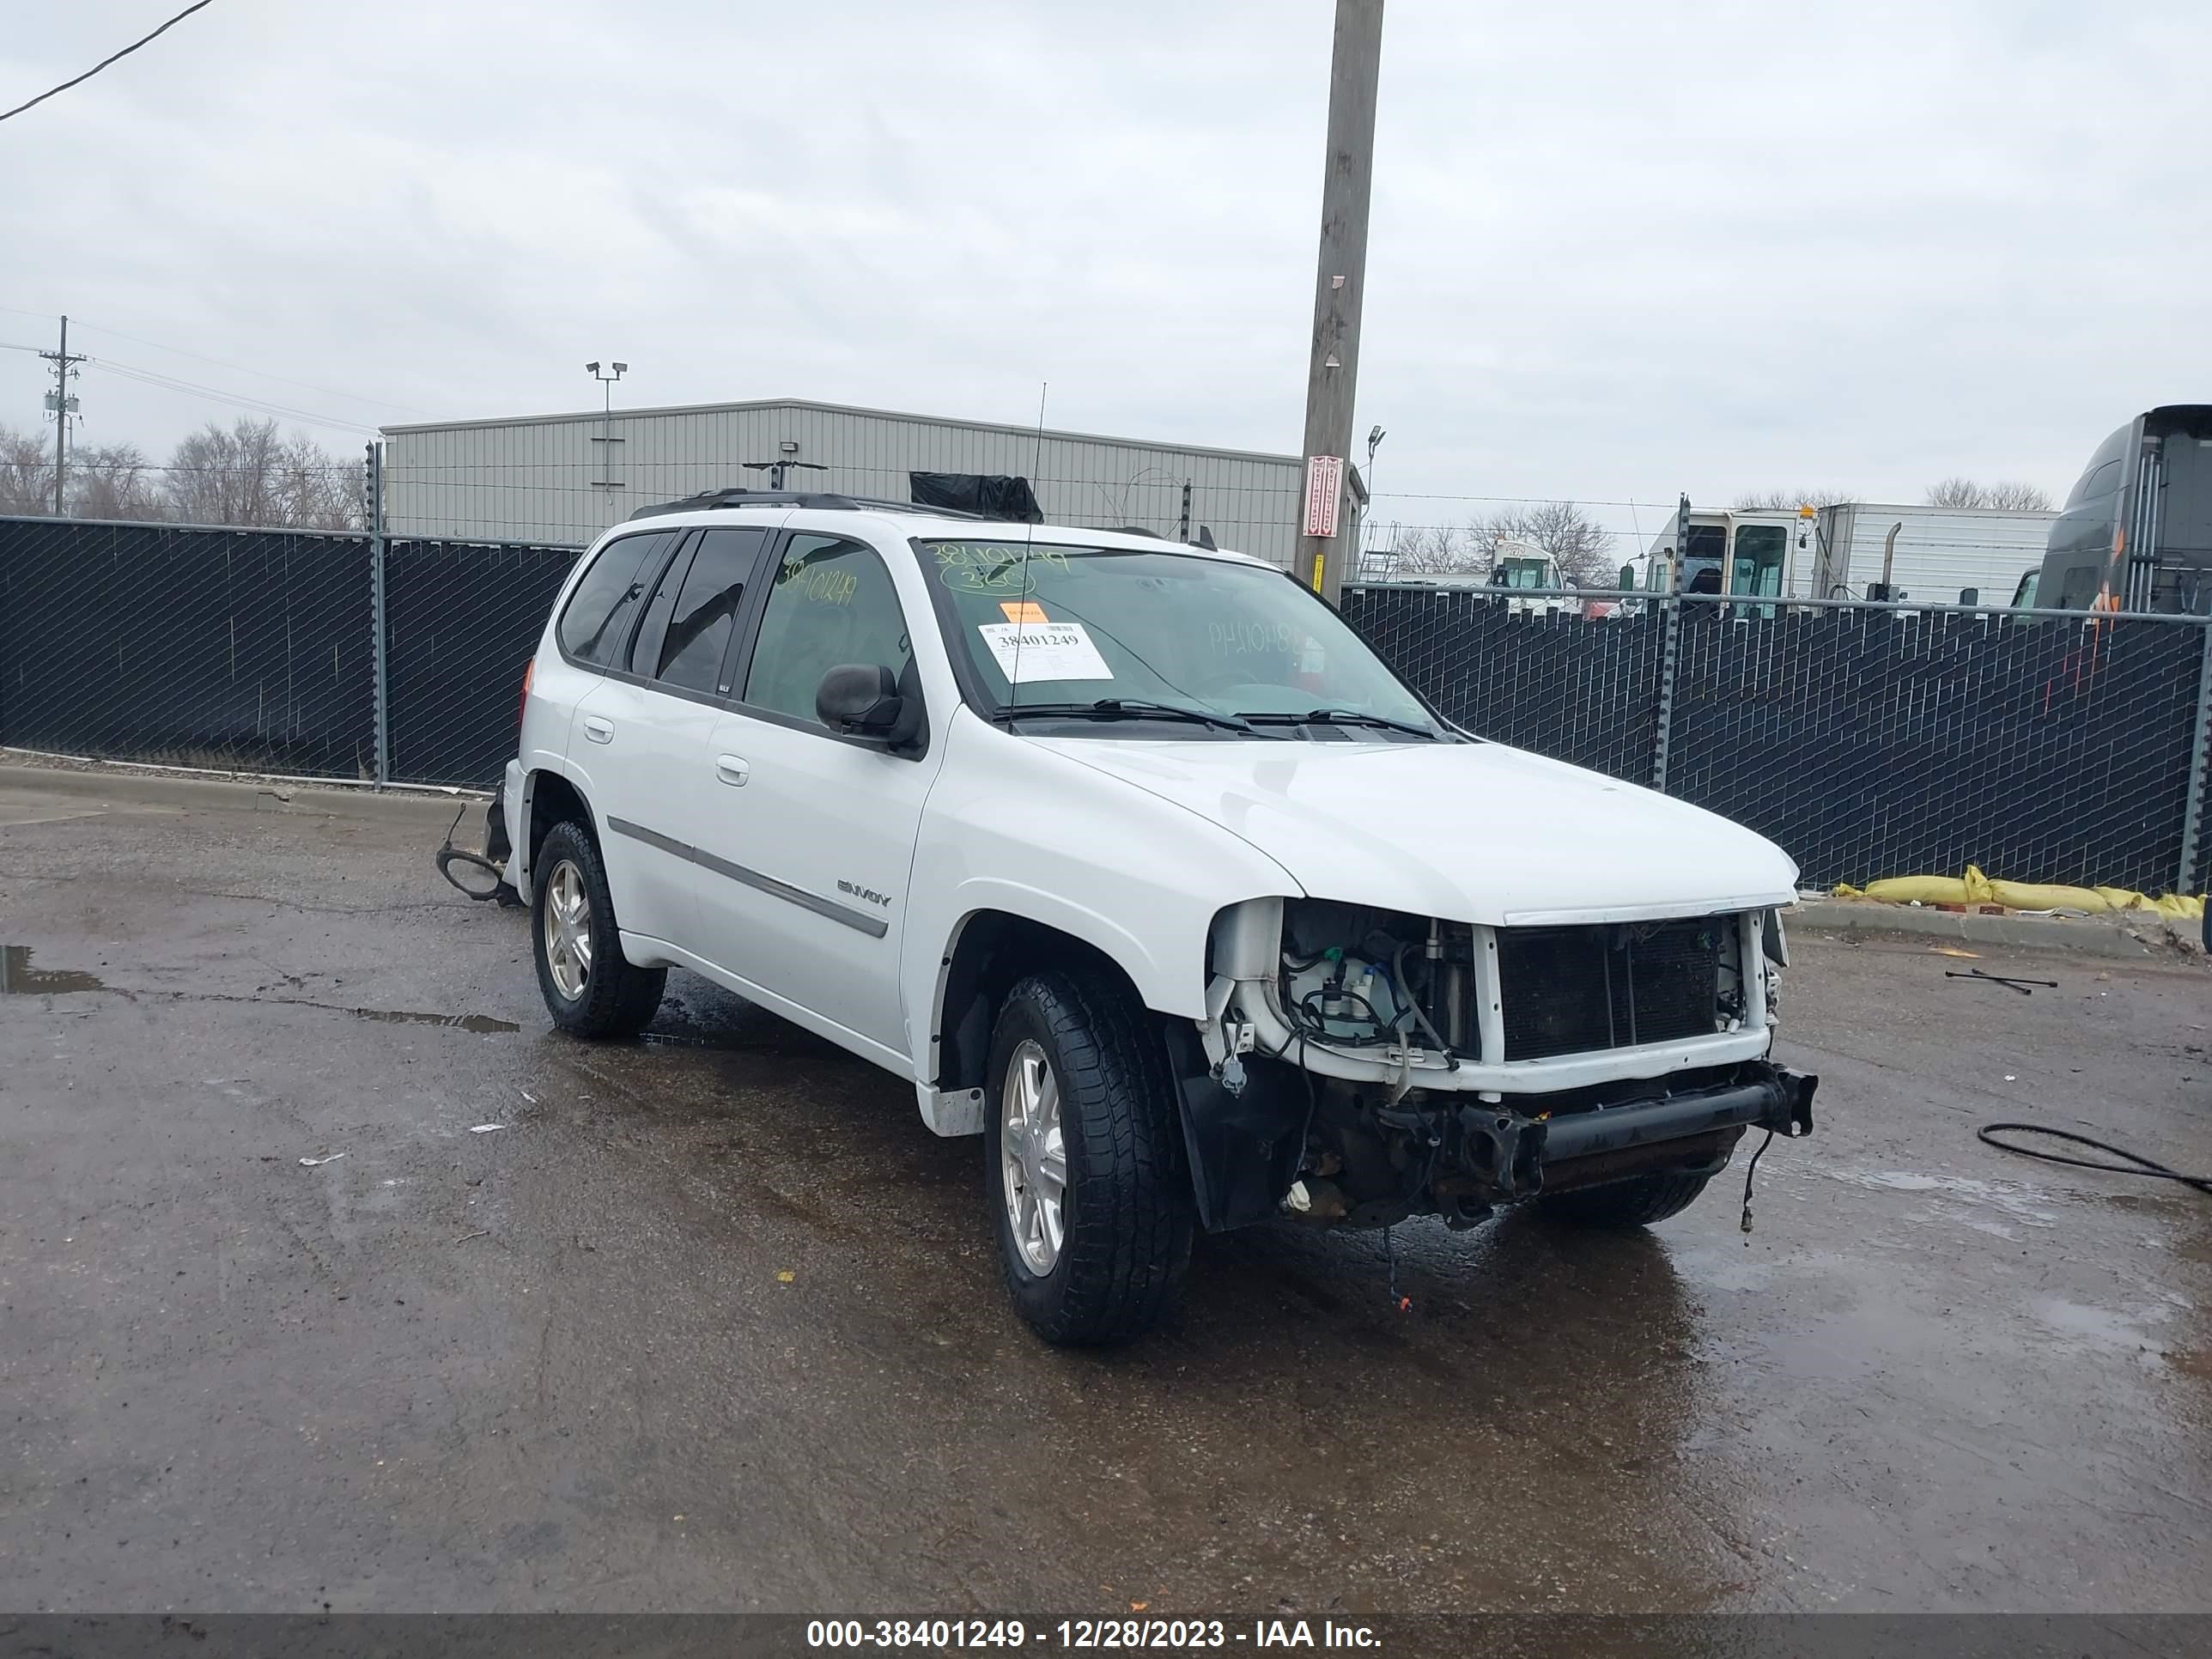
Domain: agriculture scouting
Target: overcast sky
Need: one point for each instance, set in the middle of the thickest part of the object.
(1619, 250)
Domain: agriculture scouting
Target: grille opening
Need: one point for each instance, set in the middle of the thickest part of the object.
(1570, 990)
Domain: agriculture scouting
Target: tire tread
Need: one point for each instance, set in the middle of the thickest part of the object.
(1128, 1241)
(620, 999)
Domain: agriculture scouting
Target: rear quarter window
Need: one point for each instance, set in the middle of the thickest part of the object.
(596, 625)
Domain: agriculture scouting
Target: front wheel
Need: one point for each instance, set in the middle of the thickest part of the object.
(590, 988)
(1084, 1153)
(1637, 1202)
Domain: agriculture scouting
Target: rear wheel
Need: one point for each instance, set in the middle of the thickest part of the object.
(1635, 1202)
(590, 989)
(1083, 1154)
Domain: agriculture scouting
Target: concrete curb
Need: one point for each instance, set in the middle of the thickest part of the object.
(214, 792)
(2130, 936)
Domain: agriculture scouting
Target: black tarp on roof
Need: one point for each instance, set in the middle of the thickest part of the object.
(989, 494)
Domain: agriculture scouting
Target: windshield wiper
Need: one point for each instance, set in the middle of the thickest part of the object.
(1341, 717)
(1128, 708)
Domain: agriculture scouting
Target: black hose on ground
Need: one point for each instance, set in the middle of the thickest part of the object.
(450, 855)
(2135, 1164)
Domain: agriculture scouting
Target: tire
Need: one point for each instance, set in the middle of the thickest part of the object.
(609, 998)
(1621, 1205)
(1126, 1206)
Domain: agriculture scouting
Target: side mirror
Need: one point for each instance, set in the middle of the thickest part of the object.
(859, 700)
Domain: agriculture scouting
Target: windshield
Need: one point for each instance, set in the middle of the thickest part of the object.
(1520, 573)
(1077, 627)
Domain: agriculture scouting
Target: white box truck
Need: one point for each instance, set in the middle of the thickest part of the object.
(1938, 555)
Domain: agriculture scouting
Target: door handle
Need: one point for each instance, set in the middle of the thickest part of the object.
(597, 730)
(731, 770)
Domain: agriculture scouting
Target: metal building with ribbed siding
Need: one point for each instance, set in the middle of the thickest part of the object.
(566, 477)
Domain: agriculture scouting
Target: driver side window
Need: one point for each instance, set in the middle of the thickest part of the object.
(832, 603)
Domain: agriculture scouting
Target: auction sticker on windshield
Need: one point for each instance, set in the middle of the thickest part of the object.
(1043, 651)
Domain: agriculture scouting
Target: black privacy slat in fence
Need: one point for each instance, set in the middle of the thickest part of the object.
(1872, 745)
(1868, 744)
(246, 649)
(1555, 684)
(463, 619)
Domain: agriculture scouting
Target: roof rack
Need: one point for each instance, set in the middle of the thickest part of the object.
(709, 499)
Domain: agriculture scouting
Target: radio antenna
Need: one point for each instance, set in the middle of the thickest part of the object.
(1022, 603)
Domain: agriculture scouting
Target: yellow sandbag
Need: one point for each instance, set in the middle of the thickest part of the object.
(2037, 895)
(1972, 888)
(2174, 906)
(1975, 888)
(1918, 890)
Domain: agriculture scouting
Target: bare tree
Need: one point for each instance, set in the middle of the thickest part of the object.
(2016, 497)
(27, 472)
(114, 481)
(1433, 550)
(1786, 500)
(2012, 497)
(317, 490)
(1583, 551)
(248, 475)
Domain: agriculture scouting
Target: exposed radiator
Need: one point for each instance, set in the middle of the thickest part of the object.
(1570, 990)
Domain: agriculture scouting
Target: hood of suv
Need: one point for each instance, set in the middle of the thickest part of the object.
(1468, 832)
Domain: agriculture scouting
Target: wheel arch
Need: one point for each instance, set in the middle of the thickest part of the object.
(991, 950)
(550, 798)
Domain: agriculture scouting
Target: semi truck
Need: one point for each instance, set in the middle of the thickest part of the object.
(2136, 534)
(1851, 551)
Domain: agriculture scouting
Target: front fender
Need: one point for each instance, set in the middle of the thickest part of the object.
(1013, 826)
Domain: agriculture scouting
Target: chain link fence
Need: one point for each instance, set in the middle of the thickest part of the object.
(1869, 741)
(246, 648)
(463, 619)
(260, 650)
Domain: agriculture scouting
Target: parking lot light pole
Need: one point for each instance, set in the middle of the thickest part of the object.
(606, 438)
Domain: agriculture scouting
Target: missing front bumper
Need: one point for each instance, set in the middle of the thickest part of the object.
(1515, 1156)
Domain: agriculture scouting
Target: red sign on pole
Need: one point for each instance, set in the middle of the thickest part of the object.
(1324, 485)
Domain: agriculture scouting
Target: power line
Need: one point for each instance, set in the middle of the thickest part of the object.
(254, 405)
(240, 368)
(197, 5)
(237, 368)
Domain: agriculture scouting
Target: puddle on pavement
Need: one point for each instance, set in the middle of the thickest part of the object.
(2106, 1330)
(482, 1025)
(2013, 1201)
(19, 978)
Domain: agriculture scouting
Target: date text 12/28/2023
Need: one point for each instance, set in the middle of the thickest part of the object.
(1084, 1635)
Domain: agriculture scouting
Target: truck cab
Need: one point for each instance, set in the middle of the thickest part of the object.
(1747, 552)
(2135, 533)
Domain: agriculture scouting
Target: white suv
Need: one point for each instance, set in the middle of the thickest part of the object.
(1137, 861)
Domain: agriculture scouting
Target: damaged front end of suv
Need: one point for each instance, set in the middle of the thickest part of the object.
(1359, 1066)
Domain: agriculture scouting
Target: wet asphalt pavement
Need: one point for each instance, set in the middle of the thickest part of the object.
(713, 1322)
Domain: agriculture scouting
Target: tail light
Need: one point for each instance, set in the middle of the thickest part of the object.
(529, 673)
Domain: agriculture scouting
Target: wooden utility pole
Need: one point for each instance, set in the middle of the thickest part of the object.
(1333, 371)
(63, 402)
